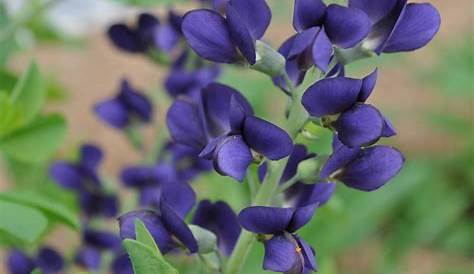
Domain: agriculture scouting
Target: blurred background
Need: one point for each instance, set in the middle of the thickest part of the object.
(421, 222)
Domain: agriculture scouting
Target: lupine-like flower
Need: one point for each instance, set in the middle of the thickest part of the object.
(223, 128)
(357, 123)
(284, 250)
(121, 264)
(48, 260)
(166, 224)
(128, 107)
(365, 169)
(94, 243)
(82, 178)
(154, 182)
(226, 40)
(398, 26)
(148, 34)
(219, 218)
(188, 76)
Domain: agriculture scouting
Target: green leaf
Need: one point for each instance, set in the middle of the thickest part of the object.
(143, 236)
(28, 94)
(37, 141)
(145, 261)
(10, 116)
(51, 207)
(207, 241)
(7, 80)
(23, 223)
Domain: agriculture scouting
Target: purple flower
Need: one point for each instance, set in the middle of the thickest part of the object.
(148, 34)
(167, 226)
(357, 124)
(128, 107)
(94, 243)
(284, 251)
(365, 169)
(226, 40)
(48, 260)
(398, 26)
(122, 264)
(82, 178)
(219, 218)
(185, 81)
(223, 128)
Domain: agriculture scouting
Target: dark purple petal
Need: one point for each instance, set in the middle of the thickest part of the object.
(185, 125)
(241, 34)
(49, 260)
(208, 34)
(308, 13)
(359, 126)
(341, 156)
(368, 85)
(113, 112)
(346, 27)
(66, 175)
(373, 167)
(101, 239)
(388, 129)
(176, 226)
(150, 196)
(375, 9)
(301, 194)
(308, 255)
(416, 28)
(166, 37)
(303, 41)
(152, 222)
(262, 171)
(175, 20)
(254, 14)
(221, 220)
(135, 102)
(179, 196)
(280, 255)
(337, 71)
(122, 265)
(210, 149)
(147, 21)
(98, 204)
(322, 51)
(265, 220)
(267, 138)
(138, 176)
(236, 115)
(301, 217)
(125, 38)
(19, 263)
(331, 96)
(233, 157)
(299, 154)
(179, 82)
(89, 258)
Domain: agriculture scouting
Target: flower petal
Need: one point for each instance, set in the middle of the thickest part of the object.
(66, 175)
(255, 14)
(368, 85)
(372, 168)
(49, 260)
(375, 9)
(302, 216)
(341, 156)
(166, 38)
(241, 34)
(135, 102)
(113, 112)
(331, 96)
(138, 177)
(208, 34)
(359, 126)
(308, 254)
(388, 129)
(91, 156)
(322, 51)
(179, 196)
(233, 157)
(280, 255)
(308, 13)
(19, 263)
(122, 264)
(176, 226)
(266, 138)
(301, 194)
(265, 220)
(346, 27)
(89, 258)
(416, 28)
(303, 41)
(299, 154)
(185, 124)
(101, 239)
(125, 38)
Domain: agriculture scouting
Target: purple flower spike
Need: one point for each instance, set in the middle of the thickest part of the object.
(128, 106)
(221, 220)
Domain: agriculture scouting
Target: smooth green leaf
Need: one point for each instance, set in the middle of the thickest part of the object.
(37, 141)
(207, 241)
(53, 208)
(10, 116)
(143, 236)
(28, 94)
(144, 260)
(23, 223)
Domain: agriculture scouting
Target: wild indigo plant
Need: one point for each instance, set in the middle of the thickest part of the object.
(213, 127)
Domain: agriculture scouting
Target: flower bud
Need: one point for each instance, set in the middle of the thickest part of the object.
(269, 61)
(206, 240)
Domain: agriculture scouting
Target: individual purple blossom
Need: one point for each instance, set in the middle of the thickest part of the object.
(94, 243)
(227, 39)
(219, 218)
(166, 224)
(128, 107)
(148, 34)
(285, 251)
(398, 26)
(221, 125)
(48, 260)
(82, 178)
(357, 124)
(365, 169)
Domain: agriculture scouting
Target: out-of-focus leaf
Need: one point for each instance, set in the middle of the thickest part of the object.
(37, 141)
(460, 238)
(10, 116)
(7, 80)
(50, 206)
(24, 224)
(144, 259)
